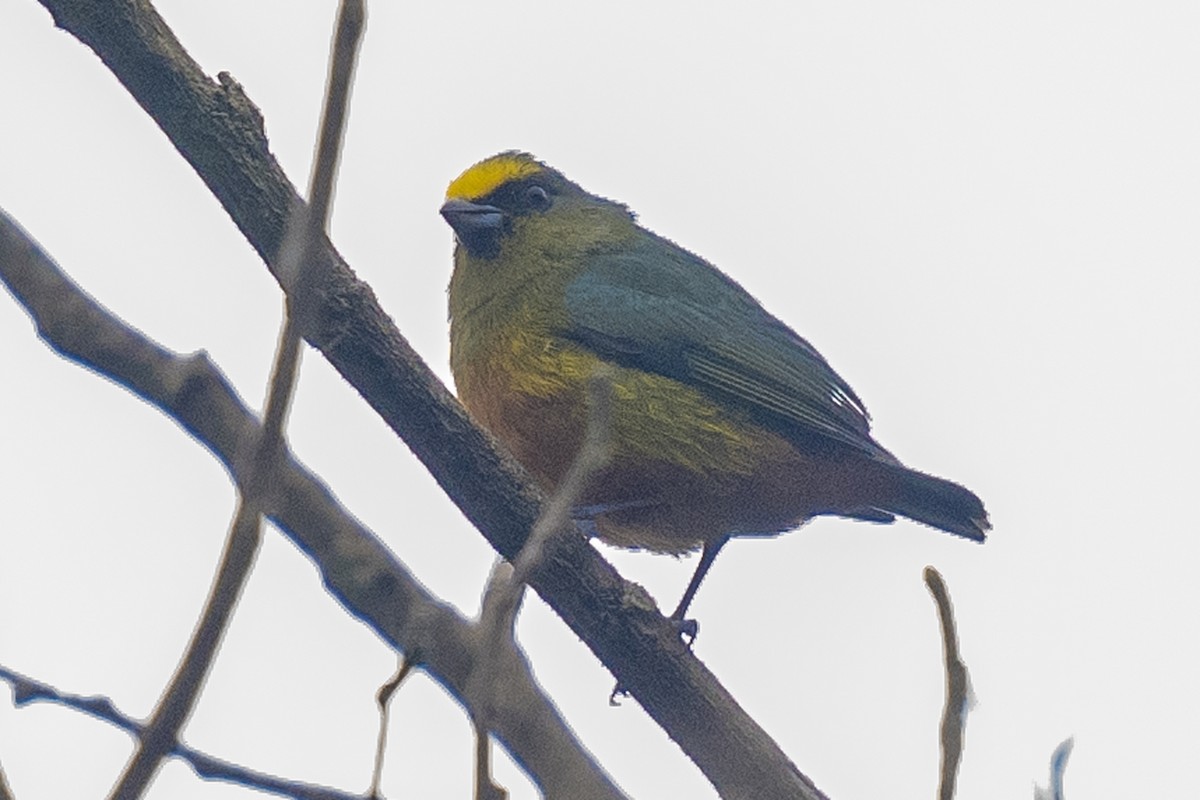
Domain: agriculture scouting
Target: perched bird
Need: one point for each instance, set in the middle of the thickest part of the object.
(725, 422)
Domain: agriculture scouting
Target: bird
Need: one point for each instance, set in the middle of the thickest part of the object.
(725, 422)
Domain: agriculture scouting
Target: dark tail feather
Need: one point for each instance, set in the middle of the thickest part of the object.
(933, 501)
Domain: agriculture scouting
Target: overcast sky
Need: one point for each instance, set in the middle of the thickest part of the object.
(983, 214)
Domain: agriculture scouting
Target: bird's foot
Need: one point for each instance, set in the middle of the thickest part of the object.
(687, 630)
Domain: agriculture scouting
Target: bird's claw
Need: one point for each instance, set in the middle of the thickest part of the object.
(687, 630)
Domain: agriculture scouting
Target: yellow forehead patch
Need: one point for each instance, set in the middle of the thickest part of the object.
(487, 175)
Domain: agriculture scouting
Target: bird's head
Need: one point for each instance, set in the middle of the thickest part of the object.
(513, 203)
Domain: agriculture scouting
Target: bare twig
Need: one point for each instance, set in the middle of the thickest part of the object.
(216, 128)
(245, 535)
(954, 714)
(498, 661)
(384, 699)
(26, 690)
(485, 787)
(5, 789)
(506, 585)
(359, 570)
(160, 735)
(307, 224)
(592, 455)
(1058, 767)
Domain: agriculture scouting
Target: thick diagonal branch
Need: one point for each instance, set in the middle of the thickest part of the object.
(220, 134)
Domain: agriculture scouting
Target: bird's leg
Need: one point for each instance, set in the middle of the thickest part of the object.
(688, 627)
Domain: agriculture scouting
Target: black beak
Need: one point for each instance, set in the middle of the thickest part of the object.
(478, 227)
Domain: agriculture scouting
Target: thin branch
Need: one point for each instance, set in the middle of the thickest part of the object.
(5, 789)
(159, 737)
(506, 585)
(1058, 768)
(307, 223)
(592, 456)
(26, 690)
(495, 635)
(485, 787)
(384, 699)
(245, 535)
(216, 128)
(954, 714)
(359, 570)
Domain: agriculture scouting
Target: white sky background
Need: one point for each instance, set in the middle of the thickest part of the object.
(984, 215)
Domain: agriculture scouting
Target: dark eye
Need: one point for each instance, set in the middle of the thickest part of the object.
(537, 198)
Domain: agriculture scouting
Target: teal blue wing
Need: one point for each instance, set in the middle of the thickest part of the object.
(664, 310)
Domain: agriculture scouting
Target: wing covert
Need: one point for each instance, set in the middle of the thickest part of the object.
(665, 310)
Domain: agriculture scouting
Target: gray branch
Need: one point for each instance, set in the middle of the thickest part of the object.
(357, 567)
(958, 687)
